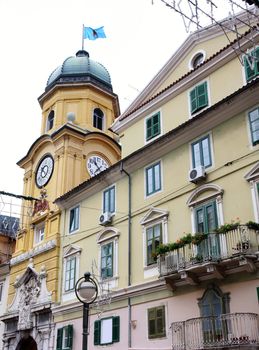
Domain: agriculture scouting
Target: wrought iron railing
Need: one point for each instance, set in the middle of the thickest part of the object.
(215, 247)
(227, 330)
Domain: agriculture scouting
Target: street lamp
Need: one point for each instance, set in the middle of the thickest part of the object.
(86, 292)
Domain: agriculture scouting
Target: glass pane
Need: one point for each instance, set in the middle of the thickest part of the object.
(157, 177)
(211, 218)
(200, 220)
(149, 181)
(157, 231)
(254, 115)
(206, 152)
(196, 154)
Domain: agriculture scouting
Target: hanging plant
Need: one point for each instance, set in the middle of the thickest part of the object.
(253, 225)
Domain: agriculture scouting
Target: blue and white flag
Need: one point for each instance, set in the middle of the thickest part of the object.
(92, 34)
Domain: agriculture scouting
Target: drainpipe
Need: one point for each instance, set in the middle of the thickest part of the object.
(129, 247)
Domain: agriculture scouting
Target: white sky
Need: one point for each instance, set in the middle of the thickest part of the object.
(37, 36)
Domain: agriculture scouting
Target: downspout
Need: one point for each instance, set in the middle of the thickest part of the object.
(129, 247)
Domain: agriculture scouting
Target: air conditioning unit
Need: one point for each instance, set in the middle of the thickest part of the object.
(197, 173)
(105, 218)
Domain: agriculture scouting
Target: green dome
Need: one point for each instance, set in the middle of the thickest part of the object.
(80, 68)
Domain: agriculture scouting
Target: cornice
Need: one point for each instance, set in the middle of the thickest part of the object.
(119, 295)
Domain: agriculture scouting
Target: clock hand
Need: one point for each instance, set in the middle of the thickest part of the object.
(97, 166)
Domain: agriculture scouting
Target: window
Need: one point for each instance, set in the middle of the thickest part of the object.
(254, 125)
(109, 200)
(65, 338)
(70, 273)
(153, 179)
(74, 219)
(212, 305)
(199, 97)
(107, 260)
(108, 241)
(201, 153)
(50, 120)
(107, 331)
(98, 119)
(1, 291)
(156, 322)
(197, 59)
(39, 233)
(251, 64)
(153, 127)
(154, 238)
(206, 217)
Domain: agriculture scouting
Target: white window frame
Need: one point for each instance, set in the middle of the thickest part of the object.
(252, 147)
(209, 134)
(71, 232)
(69, 253)
(190, 65)
(107, 189)
(253, 179)
(38, 234)
(189, 98)
(161, 179)
(145, 126)
(153, 217)
(109, 235)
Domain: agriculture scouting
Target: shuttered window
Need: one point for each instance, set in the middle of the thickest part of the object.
(107, 260)
(201, 154)
(154, 238)
(251, 64)
(107, 331)
(199, 97)
(153, 127)
(65, 338)
(156, 322)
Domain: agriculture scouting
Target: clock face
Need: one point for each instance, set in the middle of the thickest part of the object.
(44, 171)
(96, 164)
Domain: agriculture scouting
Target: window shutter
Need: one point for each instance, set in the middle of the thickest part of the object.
(59, 338)
(149, 128)
(70, 336)
(202, 95)
(97, 332)
(249, 72)
(193, 99)
(116, 329)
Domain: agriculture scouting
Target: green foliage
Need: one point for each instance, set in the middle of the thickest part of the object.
(253, 225)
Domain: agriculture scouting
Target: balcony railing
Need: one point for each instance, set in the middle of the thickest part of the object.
(216, 247)
(227, 331)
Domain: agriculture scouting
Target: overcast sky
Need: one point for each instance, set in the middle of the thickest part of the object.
(36, 37)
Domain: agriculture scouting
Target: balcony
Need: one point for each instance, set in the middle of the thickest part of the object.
(218, 255)
(228, 331)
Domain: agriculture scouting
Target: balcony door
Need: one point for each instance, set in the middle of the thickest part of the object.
(206, 220)
(212, 305)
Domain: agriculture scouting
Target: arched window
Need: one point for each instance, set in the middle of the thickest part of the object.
(98, 119)
(50, 120)
(212, 305)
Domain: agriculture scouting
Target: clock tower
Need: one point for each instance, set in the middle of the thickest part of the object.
(75, 144)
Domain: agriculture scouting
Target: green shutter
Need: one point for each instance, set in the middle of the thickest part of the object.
(70, 336)
(202, 94)
(252, 72)
(149, 128)
(249, 72)
(193, 100)
(116, 329)
(59, 338)
(97, 332)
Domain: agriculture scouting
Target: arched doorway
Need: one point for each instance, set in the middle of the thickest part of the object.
(27, 343)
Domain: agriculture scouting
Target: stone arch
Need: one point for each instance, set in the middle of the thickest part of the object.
(27, 343)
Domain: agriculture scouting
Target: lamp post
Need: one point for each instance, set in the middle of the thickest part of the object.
(86, 292)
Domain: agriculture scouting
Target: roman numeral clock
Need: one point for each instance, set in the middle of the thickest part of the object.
(44, 171)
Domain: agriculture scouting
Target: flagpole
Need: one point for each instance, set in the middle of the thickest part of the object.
(83, 38)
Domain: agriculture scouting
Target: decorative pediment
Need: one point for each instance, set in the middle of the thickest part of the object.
(203, 193)
(71, 250)
(107, 233)
(31, 292)
(154, 214)
(253, 173)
